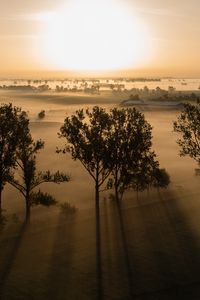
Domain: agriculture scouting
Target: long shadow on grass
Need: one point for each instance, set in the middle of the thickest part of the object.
(99, 274)
(60, 268)
(72, 271)
(118, 276)
(125, 246)
(169, 251)
(154, 242)
(7, 264)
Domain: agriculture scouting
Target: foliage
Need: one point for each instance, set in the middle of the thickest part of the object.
(41, 114)
(8, 141)
(86, 133)
(116, 144)
(133, 160)
(134, 97)
(142, 177)
(67, 209)
(40, 198)
(188, 126)
(26, 161)
(160, 178)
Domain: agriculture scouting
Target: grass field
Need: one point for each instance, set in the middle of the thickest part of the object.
(150, 248)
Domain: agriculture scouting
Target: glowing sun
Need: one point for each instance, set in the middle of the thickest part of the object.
(94, 35)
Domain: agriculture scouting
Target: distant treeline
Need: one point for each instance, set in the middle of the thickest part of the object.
(118, 89)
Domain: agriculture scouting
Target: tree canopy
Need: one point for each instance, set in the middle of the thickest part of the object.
(134, 163)
(115, 144)
(26, 152)
(87, 140)
(9, 133)
(188, 126)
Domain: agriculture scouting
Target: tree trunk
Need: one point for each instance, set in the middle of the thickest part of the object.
(1, 190)
(116, 193)
(28, 209)
(97, 193)
(116, 186)
(137, 195)
(0, 200)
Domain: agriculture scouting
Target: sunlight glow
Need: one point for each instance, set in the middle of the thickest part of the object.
(94, 35)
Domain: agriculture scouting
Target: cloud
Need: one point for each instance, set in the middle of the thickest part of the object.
(160, 12)
(35, 17)
(19, 36)
(41, 16)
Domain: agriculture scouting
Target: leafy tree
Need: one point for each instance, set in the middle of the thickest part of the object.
(26, 161)
(134, 97)
(134, 164)
(131, 155)
(8, 142)
(67, 209)
(142, 177)
(150, 174)
(40, 198)
(41, 114)
(188, 126)
(160, 178)
(87, 135)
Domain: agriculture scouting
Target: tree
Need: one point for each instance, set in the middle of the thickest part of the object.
(188, 126)
(41, 114)
(87, 135)
(134, 97)
(116, 143)
(142, 177)
(26, 152)
(131, 154)
(160, 178)
(8, 142)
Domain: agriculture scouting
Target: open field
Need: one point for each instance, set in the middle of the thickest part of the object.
(150, 249)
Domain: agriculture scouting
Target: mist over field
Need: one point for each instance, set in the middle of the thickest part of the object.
(149, 251)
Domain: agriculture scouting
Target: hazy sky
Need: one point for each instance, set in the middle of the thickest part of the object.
(165, 36)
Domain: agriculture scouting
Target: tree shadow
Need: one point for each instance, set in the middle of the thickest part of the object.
(125, 247)
(150, 249)
(7, 264)
(60, 267)
(159, 248)
(171, 250)
(72, 267)
(3, 221)
(99, 275)
(118, 273)
(118, 211)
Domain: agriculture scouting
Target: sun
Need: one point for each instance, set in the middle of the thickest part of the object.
(94, 35)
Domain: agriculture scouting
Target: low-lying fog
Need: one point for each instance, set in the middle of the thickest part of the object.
(55, 258)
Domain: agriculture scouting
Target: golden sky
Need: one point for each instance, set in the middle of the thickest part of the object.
(133, 37)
